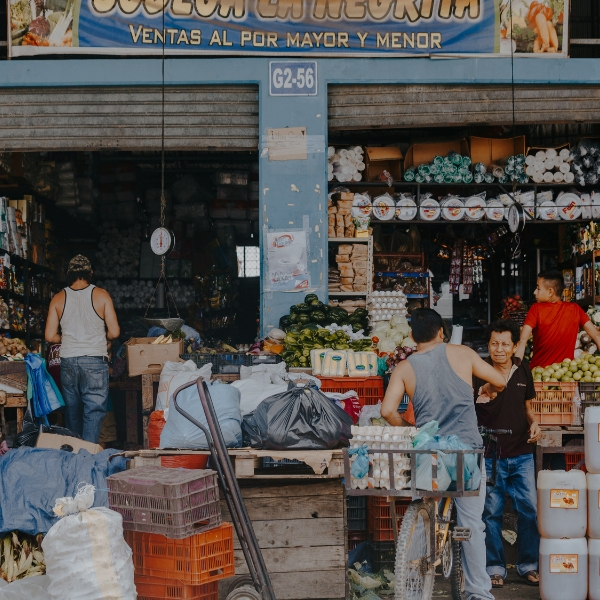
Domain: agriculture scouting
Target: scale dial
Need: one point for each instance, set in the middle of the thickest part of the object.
(162, 241)
(516, 218)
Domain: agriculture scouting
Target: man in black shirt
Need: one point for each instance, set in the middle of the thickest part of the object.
(515, 471)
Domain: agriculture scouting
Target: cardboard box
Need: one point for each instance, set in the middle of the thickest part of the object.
(490, 151)
(421, 154)
(378, 160)
(56, 442)
(145, 358)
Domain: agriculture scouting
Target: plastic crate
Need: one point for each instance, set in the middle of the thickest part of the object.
(356, 510)
(369, 389)
(553, 402)
(155, 588)
(572, 459)
(195, 560)
(173, 502)
(355, 538)
(229, 364)
(383, 556)
(590, 396)
(379, 520)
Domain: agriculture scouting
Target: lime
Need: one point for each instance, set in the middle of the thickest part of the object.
(577, 376)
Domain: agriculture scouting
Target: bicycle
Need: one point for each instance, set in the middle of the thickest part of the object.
(429, 535)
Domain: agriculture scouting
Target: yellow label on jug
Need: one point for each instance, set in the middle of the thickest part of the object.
(564, 498)
(563, 563)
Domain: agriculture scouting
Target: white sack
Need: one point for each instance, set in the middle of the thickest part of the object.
(30, 588)
(254, 391)
(86, 555)
(176, 374)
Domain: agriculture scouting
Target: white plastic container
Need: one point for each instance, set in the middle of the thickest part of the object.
(562, 504)
(593, 490)
(563, 569)
(591, 430)
(594, 569)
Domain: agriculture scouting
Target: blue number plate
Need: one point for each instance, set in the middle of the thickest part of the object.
(293, 78)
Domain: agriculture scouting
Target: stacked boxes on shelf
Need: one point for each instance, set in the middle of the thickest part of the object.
(172, 521)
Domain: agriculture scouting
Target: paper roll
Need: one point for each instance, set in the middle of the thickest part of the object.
(457, 333)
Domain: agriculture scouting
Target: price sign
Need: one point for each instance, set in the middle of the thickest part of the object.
(293, 78)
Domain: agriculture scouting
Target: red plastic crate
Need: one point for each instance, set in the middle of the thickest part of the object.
(379, 520)
(156, 588)
(572, 459)
(195, 560)
(172, 502)
(369, 389)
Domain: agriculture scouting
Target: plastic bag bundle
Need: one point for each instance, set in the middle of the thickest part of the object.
(46, 397)
(176, 374)
(360, 466)
(302, 418)
(427, 439)
(86, 555)
(181, 433)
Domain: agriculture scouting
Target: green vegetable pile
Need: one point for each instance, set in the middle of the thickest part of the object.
(298, 344)
(313, 314)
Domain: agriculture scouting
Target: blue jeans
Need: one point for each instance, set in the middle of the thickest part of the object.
(515, 476)
(469, 514)
(84, 382)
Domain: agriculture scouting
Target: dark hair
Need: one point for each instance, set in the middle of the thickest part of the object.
(74, 274)
(503, 325)
(554, 279)
(425, 324)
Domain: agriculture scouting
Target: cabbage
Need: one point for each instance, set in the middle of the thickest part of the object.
(403, 328)
(386, 345)
(382, 327)
(398, 320)
(408, 342)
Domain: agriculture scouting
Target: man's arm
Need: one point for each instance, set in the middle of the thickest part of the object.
(525, 335)
(110, 318)
(393, 397)
(495, 380)
(591, 330)
(535, 432)
(52, 322)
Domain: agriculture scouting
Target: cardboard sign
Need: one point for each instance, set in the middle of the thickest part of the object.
(287, 143)
(65, 442)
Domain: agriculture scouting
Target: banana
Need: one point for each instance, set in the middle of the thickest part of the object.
(15, 540)
(39, 557)
(167, 340)
(159, 339)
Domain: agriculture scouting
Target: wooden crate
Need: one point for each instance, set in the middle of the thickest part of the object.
(300, 530)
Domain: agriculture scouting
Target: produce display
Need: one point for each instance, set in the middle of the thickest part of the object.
(312, 314)
(21, 556)
(393, 335)
(584, 345)
(586, 368)
(13, 348)
(345, 165)
(514, 308)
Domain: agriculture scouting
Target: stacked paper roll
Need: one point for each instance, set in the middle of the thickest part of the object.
(345, 164)
(549, 166)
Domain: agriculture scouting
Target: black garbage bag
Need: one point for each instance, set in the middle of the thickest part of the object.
(29, 435)
(300, 419)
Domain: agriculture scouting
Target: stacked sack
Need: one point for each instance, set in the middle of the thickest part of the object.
(568, 508)
(170, 514)
(352, 263)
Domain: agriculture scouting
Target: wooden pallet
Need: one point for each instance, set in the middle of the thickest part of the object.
(247, 462)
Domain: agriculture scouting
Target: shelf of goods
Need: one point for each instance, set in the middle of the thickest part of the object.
(584, 272)
(354, 271)
(481, 203)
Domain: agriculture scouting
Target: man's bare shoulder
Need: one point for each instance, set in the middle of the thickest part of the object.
(101, 294)
(58, 299)
(461, 351)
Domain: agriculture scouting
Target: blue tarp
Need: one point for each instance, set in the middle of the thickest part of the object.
(31, 479)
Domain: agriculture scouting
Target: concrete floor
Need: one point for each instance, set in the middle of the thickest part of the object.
(514, 588)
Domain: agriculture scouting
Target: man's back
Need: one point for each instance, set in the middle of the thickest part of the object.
(441, 392)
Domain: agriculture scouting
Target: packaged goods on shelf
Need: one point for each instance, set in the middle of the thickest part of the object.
(119, 251)
(384, 438)
(550, 165)
(406, 207)
(345, 164)
(353, 263)
(585, 162)
(383, 305)
(452, 168)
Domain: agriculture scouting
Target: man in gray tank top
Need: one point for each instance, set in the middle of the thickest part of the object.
(87, 319)
(438, 379)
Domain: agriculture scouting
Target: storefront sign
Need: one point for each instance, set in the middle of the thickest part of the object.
(292, 78)
(289, 27)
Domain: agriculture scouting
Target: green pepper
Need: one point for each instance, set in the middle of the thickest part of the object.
(360, 311)
(285, 321)
(291, 338)
(341, 346)
(318, 316)
(357, 327)
(306, 352)
(293, 309)
(303, 308)
(303, 360)
(287, 354)
(317, 306)
(294, 363)
(309, 298)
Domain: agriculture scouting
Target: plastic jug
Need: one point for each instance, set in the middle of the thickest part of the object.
(563, 569)
(593, 486)
(594, 569)
(591, 430)
(562, 504)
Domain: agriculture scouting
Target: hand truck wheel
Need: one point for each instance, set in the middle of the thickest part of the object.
(244, 593)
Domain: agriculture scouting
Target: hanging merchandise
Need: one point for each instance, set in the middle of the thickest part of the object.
(45, 396)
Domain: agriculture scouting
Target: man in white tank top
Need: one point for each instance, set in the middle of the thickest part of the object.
(87, 320)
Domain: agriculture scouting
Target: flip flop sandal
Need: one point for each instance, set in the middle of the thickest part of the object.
(528, 581)
(497, 581)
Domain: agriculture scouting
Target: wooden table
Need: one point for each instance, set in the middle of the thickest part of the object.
(552, 442)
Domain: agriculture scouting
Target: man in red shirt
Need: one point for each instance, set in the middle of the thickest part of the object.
(554, 323)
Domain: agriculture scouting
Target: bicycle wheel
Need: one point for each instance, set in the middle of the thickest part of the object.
(457, 576)
(447, 559)
(415, 573)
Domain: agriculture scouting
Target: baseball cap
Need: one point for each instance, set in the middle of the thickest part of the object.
(79, 263)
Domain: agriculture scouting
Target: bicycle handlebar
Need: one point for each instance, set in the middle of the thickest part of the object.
(488, 431)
